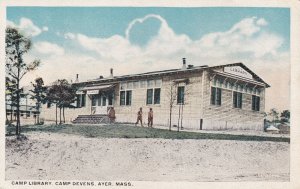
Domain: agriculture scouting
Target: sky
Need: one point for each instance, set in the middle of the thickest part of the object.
(89, 41)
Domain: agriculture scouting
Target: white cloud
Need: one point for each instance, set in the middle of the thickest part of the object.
(27, 27)
(45, 28)
(246, 41)
(68, 35)
(50, 49)
(261, 22)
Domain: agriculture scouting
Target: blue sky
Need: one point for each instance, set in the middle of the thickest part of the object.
(89, 41)
(108, 21)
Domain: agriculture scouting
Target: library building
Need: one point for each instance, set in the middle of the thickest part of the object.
(229, 96)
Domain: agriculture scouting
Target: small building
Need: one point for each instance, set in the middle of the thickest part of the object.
(27, 105)
(197, 97)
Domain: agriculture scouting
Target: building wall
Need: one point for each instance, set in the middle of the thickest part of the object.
(226, 116)
(162, 111)
(197, 106)
(70, 113)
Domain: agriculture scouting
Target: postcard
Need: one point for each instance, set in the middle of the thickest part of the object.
(150, 95)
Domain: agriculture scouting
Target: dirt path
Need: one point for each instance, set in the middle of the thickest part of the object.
(59, 156)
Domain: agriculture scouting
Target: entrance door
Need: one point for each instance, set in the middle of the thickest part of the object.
(101, 105)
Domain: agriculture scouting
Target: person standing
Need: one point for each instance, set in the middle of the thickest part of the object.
(112, 115)
(140, 117)
(150, 118)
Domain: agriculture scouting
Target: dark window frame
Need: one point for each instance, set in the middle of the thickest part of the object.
(156, 96)
(128, 97)
(180, 94)
(83, 100)
(149, 97)
(122, 98)
(80, 100)
(237, 99)
(216, 96)
(153, 96)
(255, 103)
(125, 97)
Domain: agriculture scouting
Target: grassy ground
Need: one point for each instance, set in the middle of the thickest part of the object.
(125, 131)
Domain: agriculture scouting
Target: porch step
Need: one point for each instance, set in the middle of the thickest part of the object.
(91, 119)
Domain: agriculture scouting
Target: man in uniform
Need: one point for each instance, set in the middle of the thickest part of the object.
(140, 117)
(150, 118)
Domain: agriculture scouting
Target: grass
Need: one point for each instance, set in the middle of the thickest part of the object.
(125, 131)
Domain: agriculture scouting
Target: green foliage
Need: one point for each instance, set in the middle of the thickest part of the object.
(62, 94)
(285, 116)
(38, 95)
(16, 45)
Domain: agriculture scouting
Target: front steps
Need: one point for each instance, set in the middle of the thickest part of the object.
(91, 119)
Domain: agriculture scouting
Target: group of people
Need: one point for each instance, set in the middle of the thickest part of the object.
(140, 117)
(112, 116)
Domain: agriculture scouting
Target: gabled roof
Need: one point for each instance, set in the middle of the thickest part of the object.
(256, 77)
(169, 72)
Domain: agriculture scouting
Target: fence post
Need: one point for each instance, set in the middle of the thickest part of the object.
(201, 123)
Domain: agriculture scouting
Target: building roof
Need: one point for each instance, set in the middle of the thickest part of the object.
(169, 72)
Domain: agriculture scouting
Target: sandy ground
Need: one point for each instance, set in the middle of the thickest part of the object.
(68, 157)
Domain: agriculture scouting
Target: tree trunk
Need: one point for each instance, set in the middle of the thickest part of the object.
(181, 117)
(170, 119)
(55, 114)
(178, 117)
(11, 115)
(11, 107)
(60, 115)
(18, 130)
(64, 114)
(38, 115)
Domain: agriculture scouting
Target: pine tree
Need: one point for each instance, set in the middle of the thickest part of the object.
(16, 46)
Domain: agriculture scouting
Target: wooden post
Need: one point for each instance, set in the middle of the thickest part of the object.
(201, 123)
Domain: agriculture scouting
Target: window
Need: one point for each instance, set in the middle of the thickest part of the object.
(80, 100)
(99, 99)
(158, 83)
(94, 100)
(123, 86)
(104, 101)
(153, 96)
(48, 104)
(129, 85)
(216, 94)
(83, 100)
(156, 96)
(110, 99)
(136, 84)
(128, 97)
(237, 99)
(150, 83)
(122, 98)
(180, 95)
(255, 103)
(149, 96)
(143, 84)
(125, 98)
